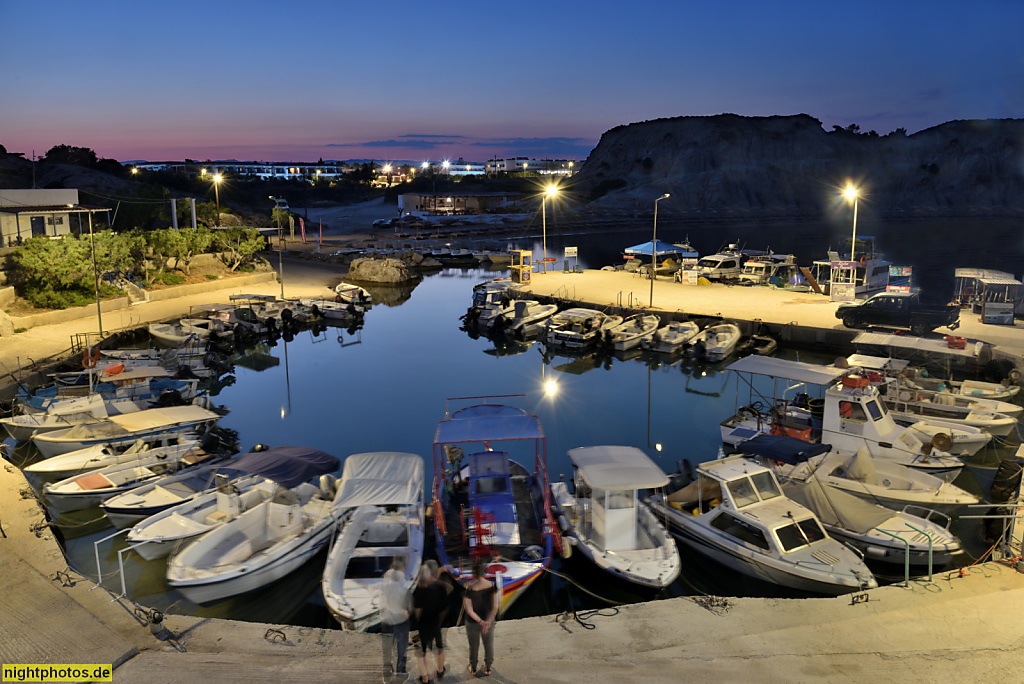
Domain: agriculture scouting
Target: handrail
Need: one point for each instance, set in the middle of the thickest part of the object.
(930, 544)
(906, 555)
(96, 549)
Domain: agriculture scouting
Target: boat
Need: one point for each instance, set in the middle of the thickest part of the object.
(879, 533)
(104, 454)
(564, 319)
(487, 506)
(628, 335)
(353, 294)
(670, 338)
(260, 546)
(954, 438)
(850, 415)
(917, 405)
(90, 489)
(715, 342)
(527, 317)
(761, 345)
(877, 480)
(58, 416)
(725, 265)
(237, 486)
(735, 513)
(133, 384)
(608, 523)
(379, 502)
(769, 269)
(126, 428)
(919, 378)
(582, 333)
(872, 270)
(130, 508)
(329, 308)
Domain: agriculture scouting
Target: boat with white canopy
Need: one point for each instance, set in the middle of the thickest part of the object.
(379, 503)
(609, 523)
(126, 428)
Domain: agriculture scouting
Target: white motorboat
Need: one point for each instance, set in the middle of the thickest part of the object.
(380, 505)
(527, 317)
(58, 416)
(174, 334)
(849, 416)
(102, 455)
(353, 294)
(610, 525)
(129, 508)
(134, 384)
(239, 486)
(670, 338)
(919, 378)
(916, 405)
(125, 428)
(582, 332)
(872, 270)
(878, 480)
(92, 488)
(878, 532)
(329, 308)
(954, 438)
(631, 332)
(715, 342)
(735, 513)
(260, 546)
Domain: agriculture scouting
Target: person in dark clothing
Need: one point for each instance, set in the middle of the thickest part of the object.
(430, 600)
(481, 606)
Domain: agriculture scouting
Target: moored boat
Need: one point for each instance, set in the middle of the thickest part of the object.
(486, 505)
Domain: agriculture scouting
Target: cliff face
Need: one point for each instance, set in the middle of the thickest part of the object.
(789, 166)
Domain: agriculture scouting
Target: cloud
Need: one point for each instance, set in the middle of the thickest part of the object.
(411, 143)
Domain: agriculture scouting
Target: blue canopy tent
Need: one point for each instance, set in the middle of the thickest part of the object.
(664, 249)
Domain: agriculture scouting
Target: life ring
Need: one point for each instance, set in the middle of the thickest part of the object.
(863, 260)
(90, 356)
(337, 299)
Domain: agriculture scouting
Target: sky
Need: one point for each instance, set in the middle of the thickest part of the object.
(396, 81)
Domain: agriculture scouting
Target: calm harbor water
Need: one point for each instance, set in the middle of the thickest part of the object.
(383, 388)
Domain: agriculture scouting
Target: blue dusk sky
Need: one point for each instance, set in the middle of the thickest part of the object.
(284, 81)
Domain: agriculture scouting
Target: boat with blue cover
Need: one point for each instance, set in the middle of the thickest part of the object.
(486, 505)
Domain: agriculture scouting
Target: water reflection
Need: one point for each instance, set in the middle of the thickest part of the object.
(381, 386)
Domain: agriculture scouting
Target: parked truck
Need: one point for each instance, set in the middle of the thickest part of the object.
(899, 310)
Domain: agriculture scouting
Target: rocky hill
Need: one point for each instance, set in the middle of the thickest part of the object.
(790, 167)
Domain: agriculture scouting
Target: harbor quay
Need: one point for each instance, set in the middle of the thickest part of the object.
(803, 319)
(960, 625)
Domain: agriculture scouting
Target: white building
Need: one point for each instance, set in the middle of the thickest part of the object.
(34, 213)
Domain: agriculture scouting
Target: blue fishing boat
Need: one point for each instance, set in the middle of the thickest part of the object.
(486, 505)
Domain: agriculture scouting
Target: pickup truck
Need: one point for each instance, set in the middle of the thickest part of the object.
(899, 310)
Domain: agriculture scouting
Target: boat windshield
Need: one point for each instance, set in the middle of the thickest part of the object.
(875, 410)
(750, 490)
(799, 534)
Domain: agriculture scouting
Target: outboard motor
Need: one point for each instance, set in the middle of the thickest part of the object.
(698, 350)
(185, 373)
(170, 397)
(317, 313)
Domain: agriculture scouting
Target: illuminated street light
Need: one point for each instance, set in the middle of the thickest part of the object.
(550, 191)
(851, 193)
(654, 245)
(280, 238)
(216, 190)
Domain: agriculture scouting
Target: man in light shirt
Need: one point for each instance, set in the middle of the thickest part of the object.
(395, 608)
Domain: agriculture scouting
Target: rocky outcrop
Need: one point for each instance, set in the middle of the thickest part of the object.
(369, 270)
(789, 166)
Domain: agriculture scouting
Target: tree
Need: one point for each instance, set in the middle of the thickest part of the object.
(238, 245)
(163, 243)
(190, 243)
(67, 154)
(53, 273)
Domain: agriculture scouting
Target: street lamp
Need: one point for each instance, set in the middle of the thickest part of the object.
(570, 168)
(216, 191)
(550, 191)
(851, 193)
(654, 245)
(280, 237)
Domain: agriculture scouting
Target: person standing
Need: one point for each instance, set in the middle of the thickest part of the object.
(430, 600)
(481, 606)
(395, 609)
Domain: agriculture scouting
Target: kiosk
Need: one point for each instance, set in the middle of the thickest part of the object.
(522, 265)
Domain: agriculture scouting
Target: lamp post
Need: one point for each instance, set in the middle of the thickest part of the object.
(654, 245)
(280, 237)
(851, 193)
(549, 191)
(216, 191)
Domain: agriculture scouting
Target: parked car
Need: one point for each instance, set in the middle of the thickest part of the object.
(899, 310)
